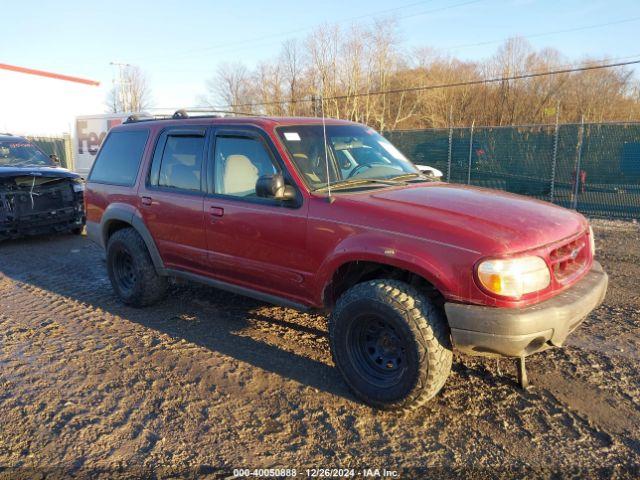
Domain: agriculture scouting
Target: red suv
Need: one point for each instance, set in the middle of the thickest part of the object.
(331, 216)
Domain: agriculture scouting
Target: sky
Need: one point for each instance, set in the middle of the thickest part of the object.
(178, 44)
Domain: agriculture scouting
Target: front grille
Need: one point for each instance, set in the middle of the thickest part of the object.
(6, 207)
(570, 260)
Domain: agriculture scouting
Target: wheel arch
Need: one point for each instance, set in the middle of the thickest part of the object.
(349, 270)
(117, 217)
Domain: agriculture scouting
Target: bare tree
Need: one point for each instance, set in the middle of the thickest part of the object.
(352, 68)
(231, 86)
(322, 48)
(130, 92)
(293, 71)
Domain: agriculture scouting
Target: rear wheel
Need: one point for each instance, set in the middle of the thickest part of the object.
(131, 271)
(391, 344)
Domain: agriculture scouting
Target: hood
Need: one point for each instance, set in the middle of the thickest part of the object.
(485, 220)
(52, 172)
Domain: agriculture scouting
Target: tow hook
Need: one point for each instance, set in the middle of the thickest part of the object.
(523, 380)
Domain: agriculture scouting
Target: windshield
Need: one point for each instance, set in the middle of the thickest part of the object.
(354, 152)
(21, 153)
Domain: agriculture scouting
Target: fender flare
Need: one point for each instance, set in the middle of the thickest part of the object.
(127, 214)
(379, 250)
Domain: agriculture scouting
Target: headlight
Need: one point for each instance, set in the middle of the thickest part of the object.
(592, 242)
(514, 277)
(78, 187)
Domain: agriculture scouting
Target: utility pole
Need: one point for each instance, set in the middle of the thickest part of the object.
(120, 90)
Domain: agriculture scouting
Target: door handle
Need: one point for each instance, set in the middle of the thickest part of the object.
(216, 211)
(147, 201)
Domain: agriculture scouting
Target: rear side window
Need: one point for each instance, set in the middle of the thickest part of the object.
(119, 158)
(182, 163)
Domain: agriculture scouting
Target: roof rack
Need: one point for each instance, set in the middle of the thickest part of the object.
(177, 115)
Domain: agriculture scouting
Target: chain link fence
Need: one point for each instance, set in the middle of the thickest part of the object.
(591, 167)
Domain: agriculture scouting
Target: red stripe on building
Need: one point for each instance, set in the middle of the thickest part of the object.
(42, 73)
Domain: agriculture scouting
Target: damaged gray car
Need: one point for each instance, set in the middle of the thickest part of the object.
(37, 196)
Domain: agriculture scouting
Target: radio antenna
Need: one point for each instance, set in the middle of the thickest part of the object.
(324, 135)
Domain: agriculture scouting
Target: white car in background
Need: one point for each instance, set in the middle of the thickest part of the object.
(352, 155)
(431, 171)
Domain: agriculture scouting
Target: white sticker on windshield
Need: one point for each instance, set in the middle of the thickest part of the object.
(292, 136)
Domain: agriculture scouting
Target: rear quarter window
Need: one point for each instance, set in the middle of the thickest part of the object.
(119, 158)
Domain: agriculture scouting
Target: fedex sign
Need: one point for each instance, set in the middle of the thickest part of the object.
(90, 132)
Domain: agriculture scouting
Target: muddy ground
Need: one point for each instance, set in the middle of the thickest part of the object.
(206, 382)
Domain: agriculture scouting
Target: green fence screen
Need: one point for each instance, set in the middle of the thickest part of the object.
(593, 168)
(53, 146)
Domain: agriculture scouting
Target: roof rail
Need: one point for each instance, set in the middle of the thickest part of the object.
(178, 115)
(144, 117)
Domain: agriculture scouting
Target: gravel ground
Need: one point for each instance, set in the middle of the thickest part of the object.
(206, 382)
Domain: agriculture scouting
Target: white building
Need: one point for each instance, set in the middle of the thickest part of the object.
(39, 103)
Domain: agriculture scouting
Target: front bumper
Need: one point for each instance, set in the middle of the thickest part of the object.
(517, 332)
(61, 220)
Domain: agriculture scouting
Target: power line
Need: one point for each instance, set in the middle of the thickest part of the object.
(249, 41)
(443, 85)
(299, 30)
(544, 34)
(440, 9)
(602, 60)
(291, 32)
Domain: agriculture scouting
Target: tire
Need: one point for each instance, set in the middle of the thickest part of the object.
(131, 271)
(391, 344)
(77, 230)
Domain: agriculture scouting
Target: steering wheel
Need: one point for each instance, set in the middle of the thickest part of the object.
(359, 169)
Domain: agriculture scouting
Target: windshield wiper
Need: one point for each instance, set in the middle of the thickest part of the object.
(354, 182)
(409, 176)
(23, 163)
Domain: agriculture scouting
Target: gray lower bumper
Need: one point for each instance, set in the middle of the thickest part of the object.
(516, 332)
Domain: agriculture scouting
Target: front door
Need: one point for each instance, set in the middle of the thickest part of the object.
(171, 199)
(254, 242)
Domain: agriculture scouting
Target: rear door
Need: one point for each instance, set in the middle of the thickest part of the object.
(171, 199)
(256, 242)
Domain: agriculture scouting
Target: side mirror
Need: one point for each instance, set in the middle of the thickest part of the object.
(273, 186)
(55, 158)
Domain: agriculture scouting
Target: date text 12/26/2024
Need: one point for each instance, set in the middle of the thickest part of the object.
(315, 473)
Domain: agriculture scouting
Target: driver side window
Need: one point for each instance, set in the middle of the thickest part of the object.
(239, 162)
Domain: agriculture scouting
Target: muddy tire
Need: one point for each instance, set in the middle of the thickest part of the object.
(391, 344)
(131, 271)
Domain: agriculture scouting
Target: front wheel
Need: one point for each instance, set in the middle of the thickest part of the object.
(390, 343)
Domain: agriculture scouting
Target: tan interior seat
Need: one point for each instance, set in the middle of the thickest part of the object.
(240, 175)
(305, 166)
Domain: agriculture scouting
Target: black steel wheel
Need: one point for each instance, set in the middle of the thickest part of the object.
(131, 271)
(391, 344)
(378, 351)
(124, 272)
